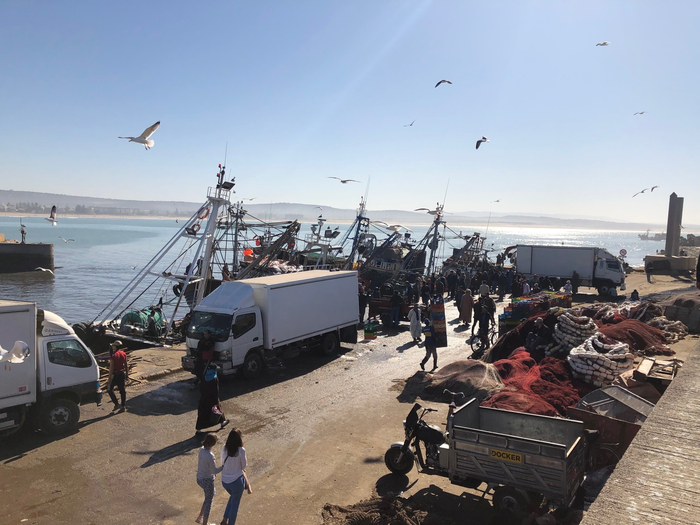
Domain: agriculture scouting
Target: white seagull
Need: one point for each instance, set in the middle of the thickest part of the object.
(344, 181)
(66, 240)
(645, 189)
(408, 125)
(52, 218)
(143, 138)
(640, 112)
(482, 139)
(443, 82)
(603, 44)
(430, 212)
(398, 227)
(40, 269)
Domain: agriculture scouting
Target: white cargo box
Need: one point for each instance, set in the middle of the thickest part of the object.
(17, 370)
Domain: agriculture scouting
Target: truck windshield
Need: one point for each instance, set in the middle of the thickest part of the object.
(218, 324)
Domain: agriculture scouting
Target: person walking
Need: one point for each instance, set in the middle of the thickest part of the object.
(425, 293)
(414, 317)
(465, 308)
(118, 375)
(206, 474)
(484, 289)
(395, 303)
(209, 411)
(233, 477)
(649, 268)
(575, 282)
(430, 348)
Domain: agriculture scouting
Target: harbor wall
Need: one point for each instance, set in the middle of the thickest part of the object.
(17, 257)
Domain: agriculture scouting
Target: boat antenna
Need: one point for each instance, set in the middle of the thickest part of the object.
(445, 197)
(367, 189)
(225, 153)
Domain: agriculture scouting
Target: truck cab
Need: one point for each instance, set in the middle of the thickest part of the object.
(237, 335)
(608, 273)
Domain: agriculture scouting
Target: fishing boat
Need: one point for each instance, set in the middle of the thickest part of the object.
(655, 237)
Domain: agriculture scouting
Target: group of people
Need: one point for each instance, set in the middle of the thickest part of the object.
(210, 413)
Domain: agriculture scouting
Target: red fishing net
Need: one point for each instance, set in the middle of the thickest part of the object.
(639, 336)
(546, 388)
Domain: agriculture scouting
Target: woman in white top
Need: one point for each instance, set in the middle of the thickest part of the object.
(233, 477)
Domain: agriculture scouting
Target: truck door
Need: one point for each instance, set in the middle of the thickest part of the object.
(66, 363)
(246, 333)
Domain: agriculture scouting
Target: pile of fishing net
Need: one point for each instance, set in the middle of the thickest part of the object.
(673, 331)
(546, 388)
(570, 331)
(473, 377)
(641, 338)
(599, 360)
(612, 313)
(383, 511)
(515, 338)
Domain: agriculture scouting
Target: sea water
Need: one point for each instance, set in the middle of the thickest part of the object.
(94, 267)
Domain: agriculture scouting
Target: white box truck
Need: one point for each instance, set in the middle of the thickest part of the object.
(596, 267)
(46, 372)
(254, 320)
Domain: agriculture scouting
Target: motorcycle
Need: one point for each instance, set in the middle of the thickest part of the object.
(401, 456)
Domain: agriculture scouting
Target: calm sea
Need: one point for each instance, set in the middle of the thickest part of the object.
(97, 265)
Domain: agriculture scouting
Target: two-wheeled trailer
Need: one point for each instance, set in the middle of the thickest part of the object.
(521, 457)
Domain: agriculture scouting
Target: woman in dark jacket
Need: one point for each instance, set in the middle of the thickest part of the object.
(209, 411)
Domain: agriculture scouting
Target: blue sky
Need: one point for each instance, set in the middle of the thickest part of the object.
(306, 90)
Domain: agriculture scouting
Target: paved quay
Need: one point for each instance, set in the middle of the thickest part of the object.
(658, 479)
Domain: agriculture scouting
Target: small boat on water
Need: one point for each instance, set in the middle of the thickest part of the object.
(655, 237)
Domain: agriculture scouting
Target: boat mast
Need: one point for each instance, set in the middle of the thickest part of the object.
(215, 197)
(435, 242)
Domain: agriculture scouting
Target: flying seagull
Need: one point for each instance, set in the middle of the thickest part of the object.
(66, 240)
(408, 125)
(482, 139)
(497, 200)
(603, 44)
(398, 227)
(143, 138)
(251, 199)
(645, 189)
(443, 82)
(640, 112)
(40, 269)
(430, 212)
(52, 218)
(653, 188)
(344, 181)
(133, 267)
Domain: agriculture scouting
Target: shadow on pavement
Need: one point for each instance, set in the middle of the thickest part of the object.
(171, 451)
(392, 485)
(16, 446)
(459, 507)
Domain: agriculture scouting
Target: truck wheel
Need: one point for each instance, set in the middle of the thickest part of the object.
(403, 467)
(509, 500)
(329, 344)
(59, 416)
(603, 290)
(252, 366)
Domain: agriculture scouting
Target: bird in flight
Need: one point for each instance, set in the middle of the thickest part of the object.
(134, 267)
(443, 82)
(408, 125)
(430, 212)
(52, 218)
(645, 189)
(482, 139)
(640, 112)
(497, 200)
(344, 181)
(603, 44)
(143, 138)
(40, 269)
(251, 199)
(66, 240)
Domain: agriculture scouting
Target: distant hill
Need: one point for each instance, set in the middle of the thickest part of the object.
(37, 202)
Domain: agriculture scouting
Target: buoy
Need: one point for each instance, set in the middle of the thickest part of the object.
(204, 215)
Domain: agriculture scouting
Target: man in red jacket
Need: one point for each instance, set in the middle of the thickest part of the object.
(118, 375)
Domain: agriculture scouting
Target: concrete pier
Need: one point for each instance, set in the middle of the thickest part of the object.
(658, 479)
(16, 257)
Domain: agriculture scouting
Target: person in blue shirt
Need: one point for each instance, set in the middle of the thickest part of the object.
(430, 348)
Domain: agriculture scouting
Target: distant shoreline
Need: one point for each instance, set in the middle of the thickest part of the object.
(475, 227)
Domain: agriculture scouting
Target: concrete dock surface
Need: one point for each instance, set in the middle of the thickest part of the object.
(658, 479)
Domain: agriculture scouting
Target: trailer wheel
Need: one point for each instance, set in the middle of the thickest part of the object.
(329, 344)
(403, 467)
(253, 365)
(59, 416)
(509, 500)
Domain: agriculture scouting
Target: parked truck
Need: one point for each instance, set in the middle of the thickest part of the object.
(255, 320)
(596, 267)
(46, 372)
